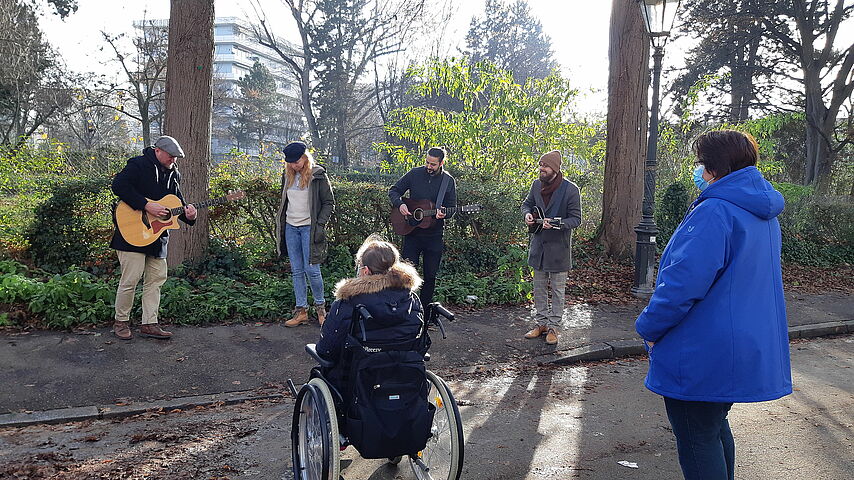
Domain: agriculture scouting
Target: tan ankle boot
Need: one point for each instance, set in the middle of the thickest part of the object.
(300, 317)
(321, 313)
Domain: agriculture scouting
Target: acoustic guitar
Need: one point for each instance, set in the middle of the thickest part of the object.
(423, 215)
(540, 219)
(139, 228)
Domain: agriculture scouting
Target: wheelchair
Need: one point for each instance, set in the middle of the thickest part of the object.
(322, 417)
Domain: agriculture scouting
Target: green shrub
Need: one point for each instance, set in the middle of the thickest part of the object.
(670, 211)
(73, 299)
(817, 231)
(71, 224)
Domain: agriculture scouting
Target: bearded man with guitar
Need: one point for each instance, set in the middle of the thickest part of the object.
(144, 179)
(551, 210)
(427, 185)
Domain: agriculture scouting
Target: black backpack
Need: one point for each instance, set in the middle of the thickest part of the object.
(387, 414)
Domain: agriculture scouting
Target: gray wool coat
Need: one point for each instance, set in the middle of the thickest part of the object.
(551, 249)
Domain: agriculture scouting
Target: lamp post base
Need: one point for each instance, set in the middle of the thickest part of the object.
(643, 292)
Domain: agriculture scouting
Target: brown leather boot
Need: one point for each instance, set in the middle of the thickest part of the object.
(551, 336)
(122, 330)
(153, 330)
(321, 313)
(300, 317)
(536, 332)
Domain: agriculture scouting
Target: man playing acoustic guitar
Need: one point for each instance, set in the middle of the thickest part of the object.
(152, 175)
(429, 183)
(558, 204)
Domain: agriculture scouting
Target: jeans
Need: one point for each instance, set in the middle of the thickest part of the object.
(430, 247)
(703, 439)
(298, 241)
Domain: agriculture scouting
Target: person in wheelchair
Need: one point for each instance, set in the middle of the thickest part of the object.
(386, 286)
(372, 386)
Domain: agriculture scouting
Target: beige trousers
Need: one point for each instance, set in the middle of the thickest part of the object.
(134, 266)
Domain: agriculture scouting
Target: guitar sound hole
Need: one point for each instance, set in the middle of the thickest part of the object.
(418, 215)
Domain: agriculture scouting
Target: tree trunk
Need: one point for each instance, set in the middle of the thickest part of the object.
(817, 168)
(628, 85)
(188, 114)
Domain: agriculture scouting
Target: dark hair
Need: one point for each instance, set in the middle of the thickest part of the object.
(725, 151)
(438, 152)
(377, 254)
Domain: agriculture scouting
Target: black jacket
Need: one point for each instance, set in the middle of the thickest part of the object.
(423, 186)
(143, 179)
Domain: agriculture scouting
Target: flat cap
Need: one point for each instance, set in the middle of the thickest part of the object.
(170, 146)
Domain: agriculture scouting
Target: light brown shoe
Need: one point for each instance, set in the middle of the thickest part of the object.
(536, 332)
(551, 336)
(321, 313)
(153, 330)
(300, 317)
(122, 330)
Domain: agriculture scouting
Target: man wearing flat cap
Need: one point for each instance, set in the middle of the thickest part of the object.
(550, 248)
(144, 180)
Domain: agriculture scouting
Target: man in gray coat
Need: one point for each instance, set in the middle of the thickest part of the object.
(558, 204)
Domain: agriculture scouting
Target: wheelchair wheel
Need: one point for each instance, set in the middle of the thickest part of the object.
(442, 458)
(314, 434)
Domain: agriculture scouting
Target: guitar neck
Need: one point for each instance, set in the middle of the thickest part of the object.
(433, 212)
(200, 205)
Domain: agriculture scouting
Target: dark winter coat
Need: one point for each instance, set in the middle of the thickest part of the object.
(423, 186)
(321, 208)
(551, 249)
(718, 314)
(144, 179)
(389, 297)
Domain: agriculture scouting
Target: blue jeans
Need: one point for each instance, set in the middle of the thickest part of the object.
(703, 439)
(298, 241)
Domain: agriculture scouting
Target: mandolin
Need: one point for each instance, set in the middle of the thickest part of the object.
(539, 219)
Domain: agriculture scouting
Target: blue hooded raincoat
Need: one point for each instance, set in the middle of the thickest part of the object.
(718, 315)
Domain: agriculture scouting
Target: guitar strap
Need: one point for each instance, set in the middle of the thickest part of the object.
(442, 188)
(557, 199)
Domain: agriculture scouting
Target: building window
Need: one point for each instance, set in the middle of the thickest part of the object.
(222, 67)
(227, 49)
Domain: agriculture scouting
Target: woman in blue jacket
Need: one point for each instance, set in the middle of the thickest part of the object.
(716, 325)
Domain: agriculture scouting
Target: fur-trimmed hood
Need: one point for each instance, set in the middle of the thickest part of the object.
(401, 276)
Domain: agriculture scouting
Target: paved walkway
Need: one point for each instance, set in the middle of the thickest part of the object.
(44, 371)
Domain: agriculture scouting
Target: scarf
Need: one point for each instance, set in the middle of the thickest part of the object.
(549, 188)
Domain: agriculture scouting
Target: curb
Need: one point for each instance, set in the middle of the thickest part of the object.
(77, 414)
(587, 353)
(628, 348)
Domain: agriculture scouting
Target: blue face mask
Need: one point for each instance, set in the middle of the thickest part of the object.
(699, 181)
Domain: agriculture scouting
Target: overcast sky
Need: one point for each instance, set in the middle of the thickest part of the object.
(578, 29)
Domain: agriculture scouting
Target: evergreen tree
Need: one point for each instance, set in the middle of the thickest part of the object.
(509, 36)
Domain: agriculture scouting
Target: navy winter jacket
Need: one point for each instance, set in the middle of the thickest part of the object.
(718, 315)
(396, 310)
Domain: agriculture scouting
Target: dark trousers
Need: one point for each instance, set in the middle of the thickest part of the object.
(703, 439)
(430, 247)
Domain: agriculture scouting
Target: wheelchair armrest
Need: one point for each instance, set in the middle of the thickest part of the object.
(311, 348)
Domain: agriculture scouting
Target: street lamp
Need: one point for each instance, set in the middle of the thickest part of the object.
(658, 18)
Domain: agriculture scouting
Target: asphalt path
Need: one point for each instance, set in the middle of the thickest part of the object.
(521, 422)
